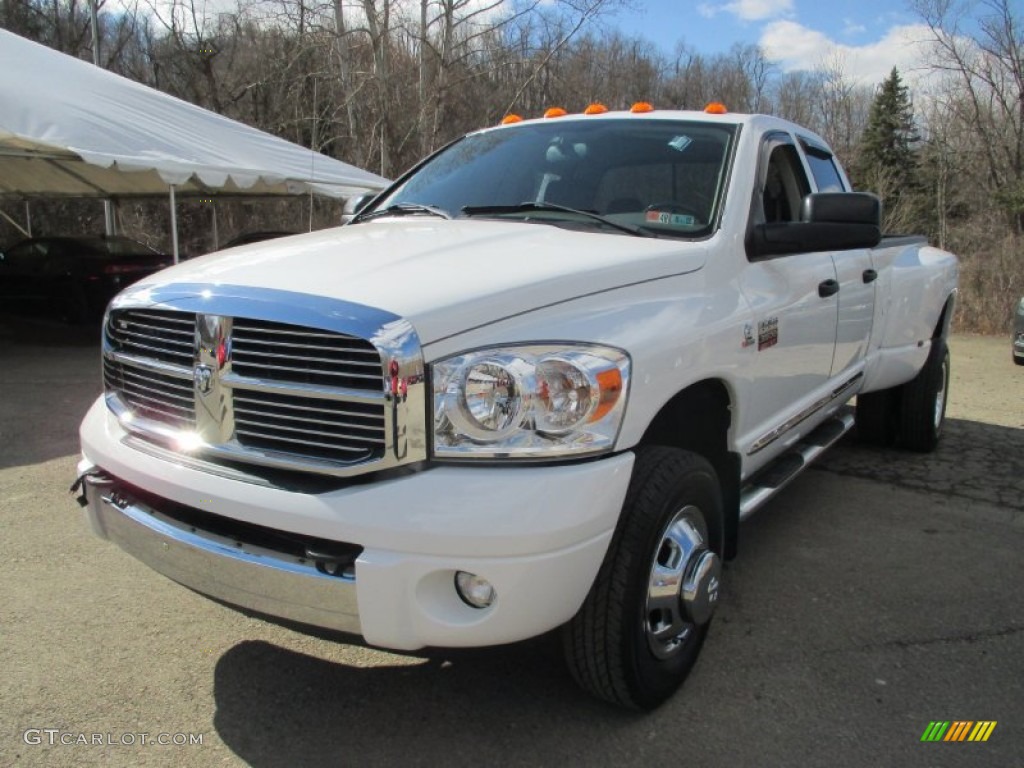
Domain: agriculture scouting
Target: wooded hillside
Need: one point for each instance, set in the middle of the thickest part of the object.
(379, 83)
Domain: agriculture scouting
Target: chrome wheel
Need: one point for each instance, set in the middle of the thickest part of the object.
(940, 395)
(682, 588)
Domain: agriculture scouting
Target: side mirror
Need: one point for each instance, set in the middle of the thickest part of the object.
(830, 221)
(842, 208)
(355, 204)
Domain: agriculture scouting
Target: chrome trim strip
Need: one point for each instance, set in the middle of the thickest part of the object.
(243, 575)
(148, 363)
(774, 434)
(305, 390)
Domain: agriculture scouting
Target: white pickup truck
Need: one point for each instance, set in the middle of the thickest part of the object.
(536, 384)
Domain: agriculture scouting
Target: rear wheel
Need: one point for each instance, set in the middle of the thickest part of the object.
(923, 402)
(642, 626)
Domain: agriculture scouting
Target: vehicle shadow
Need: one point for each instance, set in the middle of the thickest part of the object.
(49, 375)
(277, 707)
(974, 461)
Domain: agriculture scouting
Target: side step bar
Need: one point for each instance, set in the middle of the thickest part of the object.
(777, 475)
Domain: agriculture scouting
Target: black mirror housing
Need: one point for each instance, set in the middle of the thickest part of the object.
(830, 221)
(842, 208)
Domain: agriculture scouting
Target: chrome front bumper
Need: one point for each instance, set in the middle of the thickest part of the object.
(241, 574)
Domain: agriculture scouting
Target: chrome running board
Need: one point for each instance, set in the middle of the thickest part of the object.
(777, 475)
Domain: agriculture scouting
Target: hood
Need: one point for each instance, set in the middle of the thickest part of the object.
(443, 276)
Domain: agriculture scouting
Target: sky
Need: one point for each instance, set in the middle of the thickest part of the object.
(869, 36)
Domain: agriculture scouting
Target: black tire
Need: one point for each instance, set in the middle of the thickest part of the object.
(618, 647)
(1018, 360)
(923, 402)
(877, 418)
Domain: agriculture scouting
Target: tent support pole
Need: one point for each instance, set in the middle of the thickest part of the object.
(16, 225)
(28, 217)
(108, 218)
(216, 234)
(174, 226)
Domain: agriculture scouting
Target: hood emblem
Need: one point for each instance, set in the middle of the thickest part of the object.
(202, 377)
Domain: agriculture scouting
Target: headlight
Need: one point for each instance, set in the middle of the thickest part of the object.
(534, 401)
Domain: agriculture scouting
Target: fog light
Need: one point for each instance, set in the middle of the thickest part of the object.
(474, 590)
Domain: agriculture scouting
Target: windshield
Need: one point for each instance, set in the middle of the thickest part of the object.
(659, 176)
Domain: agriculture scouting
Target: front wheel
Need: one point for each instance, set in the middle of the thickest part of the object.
(642, 626)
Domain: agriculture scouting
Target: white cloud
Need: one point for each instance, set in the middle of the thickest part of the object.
(748, 10)
(851, 28)
(794, 46)
(758, 10)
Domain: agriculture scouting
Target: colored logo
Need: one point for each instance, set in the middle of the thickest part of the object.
(202, 375)
(958, 730)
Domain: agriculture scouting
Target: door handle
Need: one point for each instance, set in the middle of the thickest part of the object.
(870, 275)
(828, 288)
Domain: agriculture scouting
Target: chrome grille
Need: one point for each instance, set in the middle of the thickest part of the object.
(169, 337)
(323, 428)
(280, 352)
(151, 394)
(256, 388)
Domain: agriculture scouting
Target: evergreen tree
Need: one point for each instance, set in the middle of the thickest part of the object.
(887, 161)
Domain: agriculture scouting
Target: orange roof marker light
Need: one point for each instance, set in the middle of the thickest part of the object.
(595, 109)
(640, 107)
(509, 119)
(716, 108)
(555, 112)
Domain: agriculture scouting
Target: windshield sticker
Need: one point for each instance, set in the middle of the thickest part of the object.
(669, 219)
(680, 143)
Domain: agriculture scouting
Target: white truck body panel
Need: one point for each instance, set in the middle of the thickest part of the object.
(684, 311)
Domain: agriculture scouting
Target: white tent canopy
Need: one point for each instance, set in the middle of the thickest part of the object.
(68, 128)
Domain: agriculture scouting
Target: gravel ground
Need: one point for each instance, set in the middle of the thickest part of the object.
(878, 593)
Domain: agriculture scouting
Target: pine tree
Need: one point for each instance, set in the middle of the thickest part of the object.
(887, 161)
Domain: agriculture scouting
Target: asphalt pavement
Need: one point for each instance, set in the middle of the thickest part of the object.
(879, 593)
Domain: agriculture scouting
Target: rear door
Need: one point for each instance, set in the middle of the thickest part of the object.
(854, 271)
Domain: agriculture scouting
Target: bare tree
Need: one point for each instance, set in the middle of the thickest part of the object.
(987, 67)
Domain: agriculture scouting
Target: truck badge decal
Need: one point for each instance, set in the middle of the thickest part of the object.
(767, 333)
(202, 376)
(748, 336)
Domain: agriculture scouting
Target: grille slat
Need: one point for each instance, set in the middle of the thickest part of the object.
(297, 441)
(243, 401)
(166, 383)
(372, 364)
(183, 411)
(341, 361)
(159, 334)
(277, 372)
(340, 417)
(303, 431)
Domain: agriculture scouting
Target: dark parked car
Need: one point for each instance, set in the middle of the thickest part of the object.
(73, 277)
(1018, 334)
(255, 237)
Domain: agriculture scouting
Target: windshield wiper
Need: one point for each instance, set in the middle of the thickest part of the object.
(403, 209)
(483, 210)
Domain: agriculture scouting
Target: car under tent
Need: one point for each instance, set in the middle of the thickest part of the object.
(70, 129)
